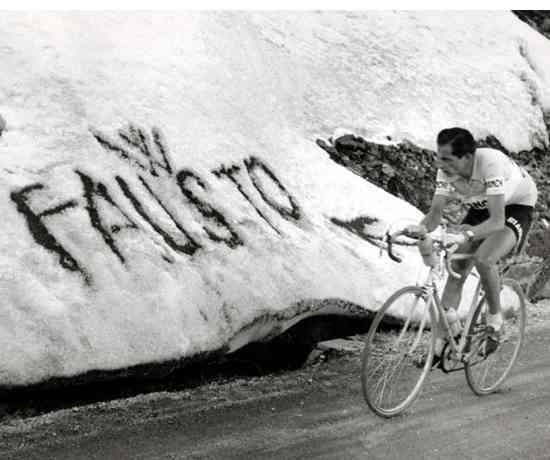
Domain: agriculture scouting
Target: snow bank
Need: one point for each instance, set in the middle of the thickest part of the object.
(162, 194)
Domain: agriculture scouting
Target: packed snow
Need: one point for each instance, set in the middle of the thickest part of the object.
(162, 192)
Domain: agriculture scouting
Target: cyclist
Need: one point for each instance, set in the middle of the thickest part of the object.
(501, 196)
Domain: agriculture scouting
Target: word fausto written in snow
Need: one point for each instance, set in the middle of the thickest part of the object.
(149, 157)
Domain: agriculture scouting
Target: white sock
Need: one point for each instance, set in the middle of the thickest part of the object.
(495, 320)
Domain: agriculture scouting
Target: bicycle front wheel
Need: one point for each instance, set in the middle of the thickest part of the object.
(398, 352)
(486, 372)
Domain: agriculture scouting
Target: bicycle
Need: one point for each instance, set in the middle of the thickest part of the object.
(401, 336)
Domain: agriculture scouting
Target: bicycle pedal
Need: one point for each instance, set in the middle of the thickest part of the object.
(436, 362)
(449, 363)
(491, 346)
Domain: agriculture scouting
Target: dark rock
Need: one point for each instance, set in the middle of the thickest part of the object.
(537, 19)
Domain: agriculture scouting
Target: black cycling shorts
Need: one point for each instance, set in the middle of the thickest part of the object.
(517, 216)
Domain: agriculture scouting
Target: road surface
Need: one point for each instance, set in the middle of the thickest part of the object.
(316, 412)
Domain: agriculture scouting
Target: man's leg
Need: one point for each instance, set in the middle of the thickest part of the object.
(452, 292)
(493, 248)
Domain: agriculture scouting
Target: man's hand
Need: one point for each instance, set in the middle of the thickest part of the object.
(455, 238)
(415, 231)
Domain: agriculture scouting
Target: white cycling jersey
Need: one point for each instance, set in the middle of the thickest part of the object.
(494, 173)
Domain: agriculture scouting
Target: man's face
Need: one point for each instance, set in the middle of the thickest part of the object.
(450, 164)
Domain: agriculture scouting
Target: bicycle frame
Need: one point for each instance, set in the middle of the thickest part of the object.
(446, 256)
(433, 297)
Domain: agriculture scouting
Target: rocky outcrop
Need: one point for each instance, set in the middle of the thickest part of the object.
(537, 19)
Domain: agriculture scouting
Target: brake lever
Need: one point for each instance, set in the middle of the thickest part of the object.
(389, 242)
(450, 251)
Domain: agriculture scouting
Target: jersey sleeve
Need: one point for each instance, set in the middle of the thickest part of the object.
(494, 178)
(443, 184)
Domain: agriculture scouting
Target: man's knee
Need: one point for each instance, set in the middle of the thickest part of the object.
(484, 262)
(461, 267)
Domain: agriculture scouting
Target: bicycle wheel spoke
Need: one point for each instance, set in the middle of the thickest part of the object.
(376, 368)
(399, 369)
(391, 380)
(382, 391)
(384, 378)
(485, 367)
(485, 373)
(418, 336)
(388, 379)
(392, 372)
(408, 320)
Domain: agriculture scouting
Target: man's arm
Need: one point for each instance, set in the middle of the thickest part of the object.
(496, 220)
(433, 218)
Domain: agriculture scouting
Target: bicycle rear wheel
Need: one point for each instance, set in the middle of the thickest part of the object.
(399, 338)
(485, 373)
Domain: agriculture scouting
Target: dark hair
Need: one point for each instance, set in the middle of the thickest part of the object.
(461, 140)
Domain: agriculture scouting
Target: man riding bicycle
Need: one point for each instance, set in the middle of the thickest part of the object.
(501, 196)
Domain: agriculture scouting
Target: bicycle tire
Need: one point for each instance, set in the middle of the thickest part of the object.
(499, 363)
(379, 354)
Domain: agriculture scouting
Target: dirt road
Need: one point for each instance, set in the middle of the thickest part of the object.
(316, 412)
